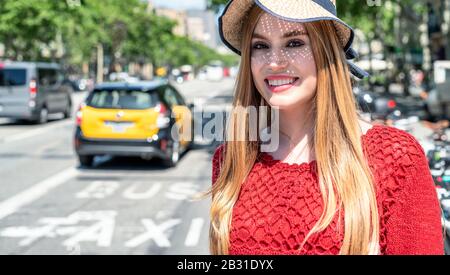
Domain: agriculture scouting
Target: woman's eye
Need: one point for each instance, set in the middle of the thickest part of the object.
(295, 43)
(260, 46)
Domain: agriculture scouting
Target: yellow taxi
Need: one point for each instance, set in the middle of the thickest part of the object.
(146, 119)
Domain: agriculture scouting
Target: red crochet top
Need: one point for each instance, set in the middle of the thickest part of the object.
(279, 203)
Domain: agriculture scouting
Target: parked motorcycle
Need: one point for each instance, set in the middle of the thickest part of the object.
(439, 162)
(444, 198)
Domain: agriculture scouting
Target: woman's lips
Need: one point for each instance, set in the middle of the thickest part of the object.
(282, 88)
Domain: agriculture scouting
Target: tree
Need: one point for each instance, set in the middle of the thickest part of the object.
(21, 26)
(149, 37)
(125, 30)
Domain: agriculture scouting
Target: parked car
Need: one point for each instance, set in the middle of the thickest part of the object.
(439, 91)
(214, 72)
(32, 91)
(146, 119)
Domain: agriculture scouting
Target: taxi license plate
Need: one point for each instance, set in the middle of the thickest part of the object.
(119, 127)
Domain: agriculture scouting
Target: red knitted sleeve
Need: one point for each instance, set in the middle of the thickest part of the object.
(414, 223)
(216, 162)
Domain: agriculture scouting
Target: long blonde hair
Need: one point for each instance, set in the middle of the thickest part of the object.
(345, 179)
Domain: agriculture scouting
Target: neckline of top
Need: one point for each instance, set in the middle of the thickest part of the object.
(307, 165)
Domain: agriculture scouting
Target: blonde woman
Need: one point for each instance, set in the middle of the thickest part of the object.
(335, 184)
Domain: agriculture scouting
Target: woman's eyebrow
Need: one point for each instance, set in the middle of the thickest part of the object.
(286, 35)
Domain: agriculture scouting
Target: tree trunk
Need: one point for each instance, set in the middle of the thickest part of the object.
(100, 63)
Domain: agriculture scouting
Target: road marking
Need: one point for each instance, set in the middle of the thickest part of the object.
(97, 228)
(194, 232)
(162, 214)
(35, 132)
(98, 190)
(182, 191)
(178, 191)
(72, 226)
(101, 232)
(37, 191)
(132, 194)
(154, 232)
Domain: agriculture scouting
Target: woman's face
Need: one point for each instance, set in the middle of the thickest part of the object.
(282, 62)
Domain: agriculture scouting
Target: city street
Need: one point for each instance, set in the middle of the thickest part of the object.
(83, 85)
(49, 205)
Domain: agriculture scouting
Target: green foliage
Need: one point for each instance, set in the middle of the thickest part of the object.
(216, 4)
(125, 29)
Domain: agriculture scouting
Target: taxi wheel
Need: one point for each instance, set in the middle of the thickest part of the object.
(174, 154)
(191, 143)
(86, 161)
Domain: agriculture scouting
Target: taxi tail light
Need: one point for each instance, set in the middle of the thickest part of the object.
(163, 120)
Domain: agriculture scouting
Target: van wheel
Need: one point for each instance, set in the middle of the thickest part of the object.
(86, 161)
(68, 111)
(43, 116)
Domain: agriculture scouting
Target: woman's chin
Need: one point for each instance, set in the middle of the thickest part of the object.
(288, 100)
(282, 105)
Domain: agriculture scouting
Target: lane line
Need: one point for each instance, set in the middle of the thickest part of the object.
(13, 204)
(194, 233)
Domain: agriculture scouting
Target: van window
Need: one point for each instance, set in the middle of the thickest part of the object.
(13, 77)
(122, 99)
(47, 77)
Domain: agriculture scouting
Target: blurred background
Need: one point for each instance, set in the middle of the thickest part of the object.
(89, 89)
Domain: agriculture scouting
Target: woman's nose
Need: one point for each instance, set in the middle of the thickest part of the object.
(277, 59)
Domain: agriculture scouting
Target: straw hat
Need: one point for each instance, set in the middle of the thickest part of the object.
(233, 17)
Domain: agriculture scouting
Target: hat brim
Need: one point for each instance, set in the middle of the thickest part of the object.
(303, 11)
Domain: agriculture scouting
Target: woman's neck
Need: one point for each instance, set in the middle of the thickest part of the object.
(295, 130)
(296, 124)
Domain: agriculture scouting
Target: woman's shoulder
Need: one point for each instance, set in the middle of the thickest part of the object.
(398, 163)
(387, 146)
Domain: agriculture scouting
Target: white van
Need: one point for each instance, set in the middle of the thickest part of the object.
(32, 91)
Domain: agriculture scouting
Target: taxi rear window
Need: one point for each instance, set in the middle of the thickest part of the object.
(122, 99)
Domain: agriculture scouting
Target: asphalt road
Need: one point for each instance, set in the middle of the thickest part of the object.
(49, 205)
